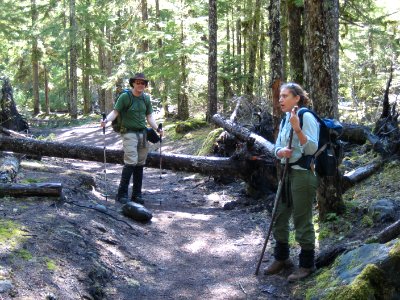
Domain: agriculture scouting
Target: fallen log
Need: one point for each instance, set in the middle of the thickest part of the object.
(245, 135)
(358, 134)
(359, 174)
(32, 189)
(389, 233)
(328, 256)
(9, 166)
(214, 166)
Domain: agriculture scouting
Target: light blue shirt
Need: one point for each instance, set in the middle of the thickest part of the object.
(311, 130)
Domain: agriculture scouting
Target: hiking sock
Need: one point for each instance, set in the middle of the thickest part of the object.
(281, 251)
(306, 258)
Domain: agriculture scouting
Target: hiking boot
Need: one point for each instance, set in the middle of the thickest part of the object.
(277, 266)
(137, 199)
(122, 199)
(299, 274)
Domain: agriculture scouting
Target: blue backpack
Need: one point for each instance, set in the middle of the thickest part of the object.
(325, 161)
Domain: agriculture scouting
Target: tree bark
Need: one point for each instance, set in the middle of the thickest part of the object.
(46, 90)
(275, 61)
(296, 36)
(183, 98)
(29, 190)
(253, 48)
(212, 59)
(73, 61)
(35, 59)
(322, 65)
(9, 166)
(9, 116)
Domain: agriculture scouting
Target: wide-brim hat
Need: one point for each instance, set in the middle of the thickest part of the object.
(138, 76)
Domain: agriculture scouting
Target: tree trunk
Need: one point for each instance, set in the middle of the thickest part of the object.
(322, 64)
(145, 17)
(9, 116)
(296, 36)
(109, 99)
(183, 98)
(87, 101)
(101, 90)
(35, 60)
(46, 90)
(254, 43)
(239, 47)
(275, 61)
(73, 61)
(67, 96)
(212, 60)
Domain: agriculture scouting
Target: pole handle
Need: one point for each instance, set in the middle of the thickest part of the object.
(104, 118)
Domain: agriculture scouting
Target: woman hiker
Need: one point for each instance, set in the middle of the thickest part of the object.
(135, 111)
(300, 186)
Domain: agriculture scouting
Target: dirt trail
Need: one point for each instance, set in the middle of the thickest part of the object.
(192, 248)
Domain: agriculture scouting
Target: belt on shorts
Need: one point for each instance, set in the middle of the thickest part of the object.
(135, 130)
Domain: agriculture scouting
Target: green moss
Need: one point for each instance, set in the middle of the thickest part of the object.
(189, 125)
(395, 251)
(24, 254)
(50, 264)
(370, 284)
(367, 221)
(321, 282)
(11, 233)
(207, 146)
(31, 180)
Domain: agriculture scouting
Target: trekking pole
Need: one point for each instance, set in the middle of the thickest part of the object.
(105, 162)
(160, 128)
(277, 197)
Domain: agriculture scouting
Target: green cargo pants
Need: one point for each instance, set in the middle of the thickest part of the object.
(302, 185)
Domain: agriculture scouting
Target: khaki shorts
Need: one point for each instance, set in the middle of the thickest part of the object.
(135, 148)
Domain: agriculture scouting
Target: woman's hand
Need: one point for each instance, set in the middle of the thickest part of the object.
(294, 120)
(285, 153)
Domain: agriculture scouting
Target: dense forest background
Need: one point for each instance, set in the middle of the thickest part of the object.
(73, 55)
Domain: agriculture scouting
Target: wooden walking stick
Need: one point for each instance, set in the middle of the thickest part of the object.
(277, 197)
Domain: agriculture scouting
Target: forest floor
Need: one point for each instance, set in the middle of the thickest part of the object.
(192, 248)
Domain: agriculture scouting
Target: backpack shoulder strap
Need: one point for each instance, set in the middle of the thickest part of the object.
(129, 92)
(304, 110)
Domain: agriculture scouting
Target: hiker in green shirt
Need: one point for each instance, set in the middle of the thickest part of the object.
(136, 111)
